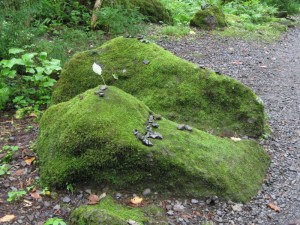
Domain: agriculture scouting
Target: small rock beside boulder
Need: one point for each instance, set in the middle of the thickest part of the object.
(209, 18)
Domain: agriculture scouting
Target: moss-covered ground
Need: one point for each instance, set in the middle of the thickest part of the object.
(90, 139)
(173, 87)
(110, 212)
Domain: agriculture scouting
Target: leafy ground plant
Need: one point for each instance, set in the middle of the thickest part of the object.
(55, 221)
(9, 152)
(29, 78)
(15, 195)
(4, 169)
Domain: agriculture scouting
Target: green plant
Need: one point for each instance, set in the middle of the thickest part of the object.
(291, 6)
(70, 188)
(182, 10)
(4, 169)
(55, 221)
(29, 77)
(9, 152)
(250, 11)
(15, 195)
(28, 128)
(117, 20)
(176, 31)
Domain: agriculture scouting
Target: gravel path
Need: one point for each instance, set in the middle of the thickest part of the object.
(273, 71)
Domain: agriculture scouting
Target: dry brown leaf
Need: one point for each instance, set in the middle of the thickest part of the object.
(197, 213)
(19, 172)
(29, 160)
(21, 185)
(32, 115)
(35, 195)
(1, 200)
(136, 200)
(7, 218)
(274, 207)
(29, 181)
(93, 199)
(27, 203)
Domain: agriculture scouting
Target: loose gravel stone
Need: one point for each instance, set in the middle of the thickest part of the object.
(273, 72)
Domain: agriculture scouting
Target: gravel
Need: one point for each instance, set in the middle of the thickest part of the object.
(273, 72)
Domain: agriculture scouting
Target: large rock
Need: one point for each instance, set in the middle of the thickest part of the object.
(209, 18)
(90, 139)
(173, 87)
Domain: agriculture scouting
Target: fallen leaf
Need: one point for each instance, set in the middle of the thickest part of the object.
(136, 200)
(29, 181)
(237, 63)
(197, 213)
(235, 139)
(1, 200)
(32, 115)
(21, 185)
(19, 172)
(274, 207)
(27, 203)
(29, 160)
(35, 195)
(93, 199)
(103, 195)
(7, 218)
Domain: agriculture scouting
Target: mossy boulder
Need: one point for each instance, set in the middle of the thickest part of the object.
(110, 212)
(153, 9)
(175, 88)
(209, 18)
(91, 139)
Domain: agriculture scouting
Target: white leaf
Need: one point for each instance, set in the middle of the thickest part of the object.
(235, 139)
(115, 76)
(97, 69)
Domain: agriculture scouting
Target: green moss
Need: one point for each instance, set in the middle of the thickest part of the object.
(173, 87)
(107, 212)
(153, 9)
(209, 18)
(90, 139)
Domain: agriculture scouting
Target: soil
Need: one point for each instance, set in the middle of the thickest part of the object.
(271, 70)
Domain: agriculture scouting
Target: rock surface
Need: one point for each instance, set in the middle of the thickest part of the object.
(175, 88)
(91, 140)
(209, 18)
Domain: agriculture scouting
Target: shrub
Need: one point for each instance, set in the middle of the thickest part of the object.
(27, 79)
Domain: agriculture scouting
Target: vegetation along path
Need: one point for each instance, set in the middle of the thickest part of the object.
(273, 71)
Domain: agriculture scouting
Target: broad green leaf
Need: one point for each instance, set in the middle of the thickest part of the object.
(8, 72)
(39, 70)
(49, 83)
(10, 63)
(43, 56)
(29, 56)
(39, 77)
(30, 70)
(27, 78)
(15, 50)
